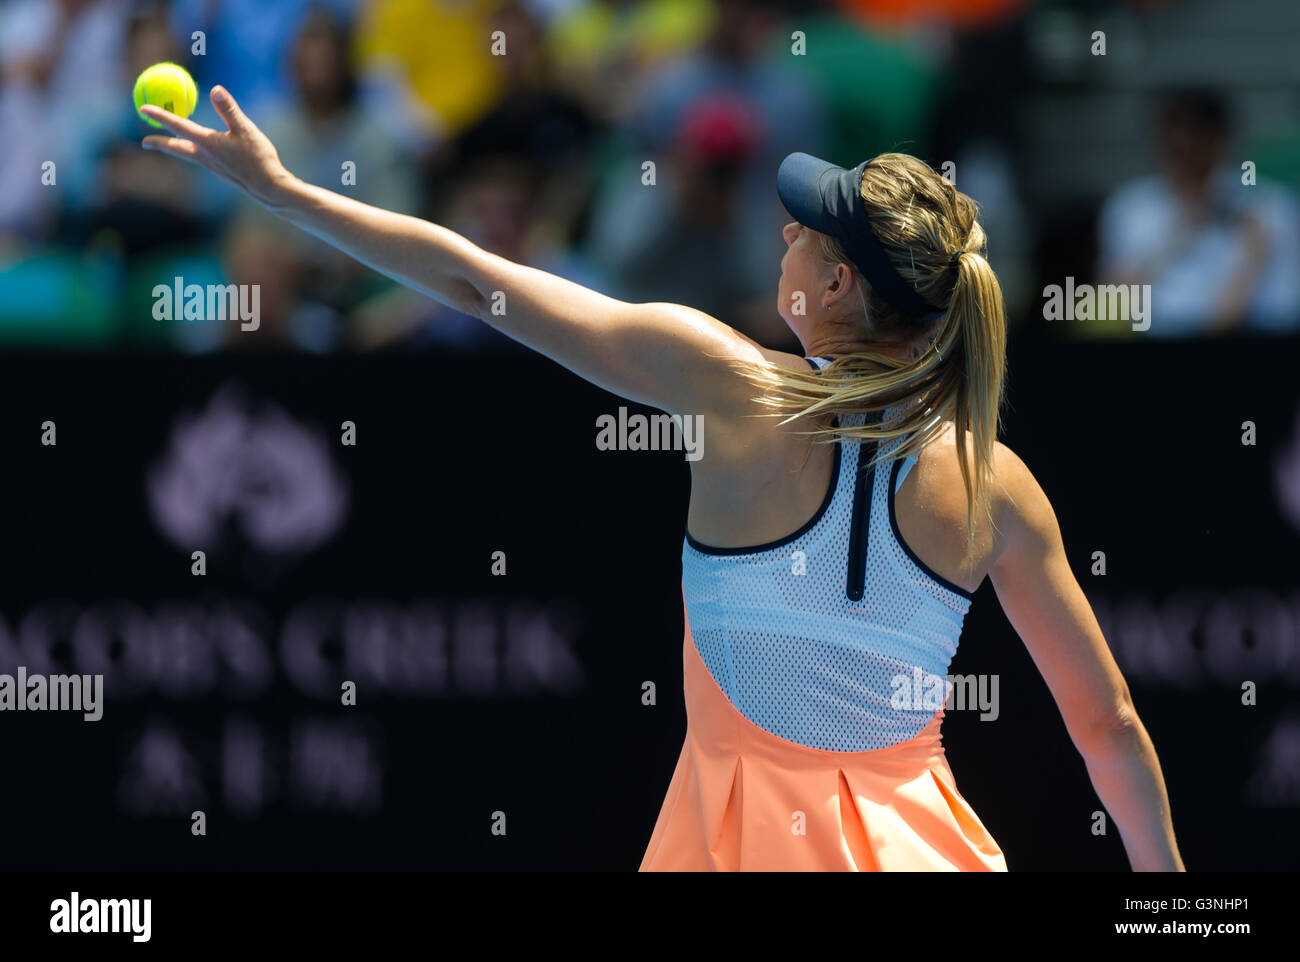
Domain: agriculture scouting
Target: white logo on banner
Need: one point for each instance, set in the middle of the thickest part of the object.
(249, 469)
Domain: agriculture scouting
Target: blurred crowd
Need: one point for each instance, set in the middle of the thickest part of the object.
(536, 143)
(1218, 245)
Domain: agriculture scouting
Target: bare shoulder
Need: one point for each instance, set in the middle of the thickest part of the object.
(736, 392)
(739, 394)
(784, 359)
(1013, 474)
(1018, 506)
(1021, 509)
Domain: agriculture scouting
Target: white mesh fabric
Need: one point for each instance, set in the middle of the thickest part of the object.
(801, 660)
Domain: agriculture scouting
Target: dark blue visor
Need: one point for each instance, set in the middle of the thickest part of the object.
(828, 199)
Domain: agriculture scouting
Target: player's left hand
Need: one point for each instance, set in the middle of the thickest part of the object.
(242, 155)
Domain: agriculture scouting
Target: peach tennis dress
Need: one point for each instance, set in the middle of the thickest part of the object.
(805, 750)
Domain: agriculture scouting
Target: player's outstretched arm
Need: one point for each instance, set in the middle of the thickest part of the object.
(1044, 603)
(667, 355)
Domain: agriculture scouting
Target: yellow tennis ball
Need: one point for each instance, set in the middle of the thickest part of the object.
(169, 86)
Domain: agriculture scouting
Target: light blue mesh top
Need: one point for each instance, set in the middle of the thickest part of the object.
(795, 654)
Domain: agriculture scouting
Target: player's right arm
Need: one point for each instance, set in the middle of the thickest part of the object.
(1044, 603)
(666, 355)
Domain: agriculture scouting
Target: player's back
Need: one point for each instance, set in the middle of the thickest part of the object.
(826, 634)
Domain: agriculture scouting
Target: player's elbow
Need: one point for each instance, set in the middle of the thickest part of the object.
(1116, 729)
(462, 295)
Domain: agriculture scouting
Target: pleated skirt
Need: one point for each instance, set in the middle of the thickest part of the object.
(743, 799)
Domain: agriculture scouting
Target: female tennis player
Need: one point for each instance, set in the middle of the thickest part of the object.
(847, 506)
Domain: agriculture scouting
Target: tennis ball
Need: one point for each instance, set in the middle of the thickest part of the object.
(169, 86)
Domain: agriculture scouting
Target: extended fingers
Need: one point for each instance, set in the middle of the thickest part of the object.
(177, 147)
(176, 124)
(228, 110)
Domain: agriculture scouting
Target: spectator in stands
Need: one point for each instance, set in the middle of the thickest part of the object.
(113, 187)
(429, 66)
(737, 59)
(54, 58)
(687, 238)
(326, 137)
(536, 120)
(605, 50)
(494, 203)
(1219, 254)
(740, 78)
(246, 43)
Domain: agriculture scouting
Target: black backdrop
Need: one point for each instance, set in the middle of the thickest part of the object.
(523, 693)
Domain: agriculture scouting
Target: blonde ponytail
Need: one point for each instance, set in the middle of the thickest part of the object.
(931, 234)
